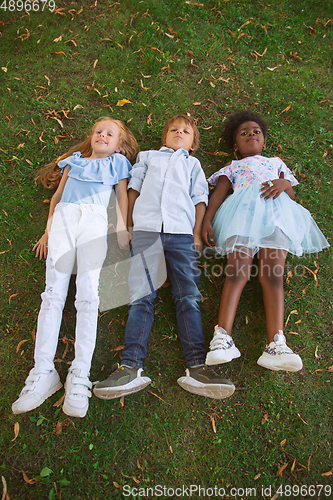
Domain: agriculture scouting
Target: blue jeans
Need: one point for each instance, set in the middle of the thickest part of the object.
(182, 270)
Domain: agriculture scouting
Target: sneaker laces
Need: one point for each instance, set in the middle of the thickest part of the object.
(279, 345)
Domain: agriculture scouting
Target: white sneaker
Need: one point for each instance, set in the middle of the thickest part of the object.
(38, 387)
(222, 348)
(77, 393)
(278, 356)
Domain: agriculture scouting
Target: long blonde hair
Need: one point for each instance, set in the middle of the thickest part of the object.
(50, 175)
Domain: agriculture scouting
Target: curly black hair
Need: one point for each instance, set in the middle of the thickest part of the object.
(234, 121)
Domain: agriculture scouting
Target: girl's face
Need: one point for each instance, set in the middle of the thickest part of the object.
(250, 140)
(105, 139)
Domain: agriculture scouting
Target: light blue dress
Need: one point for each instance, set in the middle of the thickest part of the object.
(246, 222)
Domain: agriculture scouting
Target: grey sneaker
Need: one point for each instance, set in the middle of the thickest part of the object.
(202, 380)
(278, 356)
(123, 380)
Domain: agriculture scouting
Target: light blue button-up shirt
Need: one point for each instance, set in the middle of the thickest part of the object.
(170, 184)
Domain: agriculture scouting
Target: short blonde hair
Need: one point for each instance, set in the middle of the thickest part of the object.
(50, 175)
(189, 121)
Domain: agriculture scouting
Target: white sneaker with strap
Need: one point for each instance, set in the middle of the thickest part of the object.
(222, 348)
(278, 356)
(38, 387)
(77, 393)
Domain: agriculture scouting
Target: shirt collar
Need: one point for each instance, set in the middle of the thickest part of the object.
(179, 151)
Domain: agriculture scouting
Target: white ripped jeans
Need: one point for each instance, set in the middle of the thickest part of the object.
(78, 233)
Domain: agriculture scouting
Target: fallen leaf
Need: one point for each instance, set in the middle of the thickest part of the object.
(257, 477)
(58, 39)
(20, 343)
(285, 109)
(122, 102)
(293, 465)
(78, 106)
(12, 296)
(4, 69)
(58, 428)
(316, 353)
(156, 396)
(27, 480)
(213, 423)
(61, 52)
(116, 485)
(292, 312)
(95, 63)
(265, 417)
(135, 480)
(283, 443)
(149, 119)
(16, 430)
(122, 401)
(59, 402)
(329, 473)
(281, 469)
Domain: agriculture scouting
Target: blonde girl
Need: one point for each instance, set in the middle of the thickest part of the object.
(76, 231)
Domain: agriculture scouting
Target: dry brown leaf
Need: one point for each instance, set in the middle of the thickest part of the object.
(16, 430)
(285, 109)
(78, 106)
(12, 296)
(61, 52)
(27, 480)
(156, 396)
(58, 428)
(213, 423)
(58, 39)
(149, 119)
(59, 402)
(292, 312)
(95, 63)
(116, 485)
(135, 480)
(122, 401)
(329, 473)
(281, 469)
(283, 442)
(330, 369)
(316, 353)
(264, 418)
(293, 465)
(20, 343)
(257, 477)
(59, 121)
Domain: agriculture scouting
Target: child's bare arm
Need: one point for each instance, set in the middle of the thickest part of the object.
(219, 195)
(122, 210)
(41, 245)
(200, 210)
(132, 196)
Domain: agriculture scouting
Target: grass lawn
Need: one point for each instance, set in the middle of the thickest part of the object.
(65, 64)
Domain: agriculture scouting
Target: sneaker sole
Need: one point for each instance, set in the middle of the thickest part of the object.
(52, 391)
(135, 385)
(214, 357)
(214, 391)
(266, 363)
(71, 411)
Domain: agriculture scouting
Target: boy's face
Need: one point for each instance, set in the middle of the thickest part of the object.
(180, 135)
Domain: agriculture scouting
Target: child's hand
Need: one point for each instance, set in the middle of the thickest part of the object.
(123, 238)
(41, 246)
(273, 189)
(207, 234)
(198, 244)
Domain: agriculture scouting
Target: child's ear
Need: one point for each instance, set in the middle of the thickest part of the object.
(118, 150)
(235, 147)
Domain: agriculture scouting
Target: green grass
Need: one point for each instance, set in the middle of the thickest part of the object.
(219, 57)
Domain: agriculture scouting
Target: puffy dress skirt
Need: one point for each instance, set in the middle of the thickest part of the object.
(246, 222)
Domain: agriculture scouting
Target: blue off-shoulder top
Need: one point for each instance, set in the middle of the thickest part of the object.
(90, 181)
